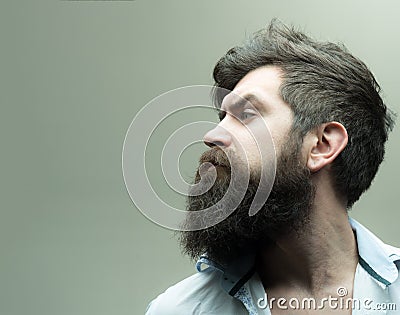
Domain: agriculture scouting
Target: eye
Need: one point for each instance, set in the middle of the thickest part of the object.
(246, 115)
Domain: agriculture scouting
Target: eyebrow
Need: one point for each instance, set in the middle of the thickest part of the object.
(241, 102)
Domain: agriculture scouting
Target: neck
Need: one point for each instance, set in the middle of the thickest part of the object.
(322, 256)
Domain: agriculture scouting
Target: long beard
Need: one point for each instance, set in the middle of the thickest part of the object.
(286, 210)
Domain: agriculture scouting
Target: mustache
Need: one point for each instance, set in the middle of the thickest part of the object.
(215, 156)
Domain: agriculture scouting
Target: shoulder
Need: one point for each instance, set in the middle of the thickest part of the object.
(198, 293)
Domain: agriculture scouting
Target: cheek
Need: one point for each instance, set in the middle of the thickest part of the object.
(246, 153)
(255, 149)
(263, 140)
(256, 142)
(280, 138)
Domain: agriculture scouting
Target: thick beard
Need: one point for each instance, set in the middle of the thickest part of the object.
(286, 210)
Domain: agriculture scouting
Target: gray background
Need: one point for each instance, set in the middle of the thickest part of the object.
(73, 76)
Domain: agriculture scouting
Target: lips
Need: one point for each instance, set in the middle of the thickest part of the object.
(207, 165)
(216, 156)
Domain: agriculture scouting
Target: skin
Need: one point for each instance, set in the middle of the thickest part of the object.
(323, 257)
(234, 133)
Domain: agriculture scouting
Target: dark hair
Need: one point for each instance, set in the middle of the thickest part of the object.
(322, 82)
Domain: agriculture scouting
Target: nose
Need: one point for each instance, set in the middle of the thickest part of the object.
(218, 136)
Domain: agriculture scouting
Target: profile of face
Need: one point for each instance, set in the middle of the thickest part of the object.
(236, 145)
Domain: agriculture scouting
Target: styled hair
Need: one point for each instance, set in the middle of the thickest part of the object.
(322, 82)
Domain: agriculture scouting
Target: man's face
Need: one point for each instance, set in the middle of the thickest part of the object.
(243, 127)
(236, 143)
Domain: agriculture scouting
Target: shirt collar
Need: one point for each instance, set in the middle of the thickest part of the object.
(377, 258)
(234, 275)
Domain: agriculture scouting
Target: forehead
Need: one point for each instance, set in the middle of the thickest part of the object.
(260, 85)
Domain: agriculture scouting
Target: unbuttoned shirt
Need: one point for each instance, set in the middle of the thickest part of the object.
(237, 288)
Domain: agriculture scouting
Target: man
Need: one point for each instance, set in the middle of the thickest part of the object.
(300, 253)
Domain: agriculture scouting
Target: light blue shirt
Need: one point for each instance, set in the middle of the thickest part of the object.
(237, 289)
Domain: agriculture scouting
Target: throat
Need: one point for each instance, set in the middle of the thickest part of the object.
(318, 260)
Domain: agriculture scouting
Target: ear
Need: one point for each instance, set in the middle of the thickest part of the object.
(327, 142)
